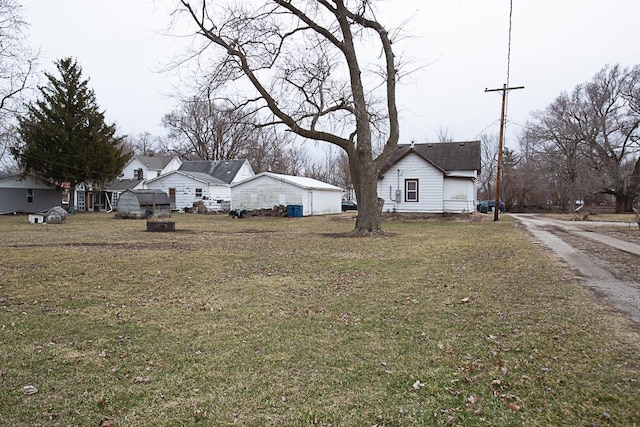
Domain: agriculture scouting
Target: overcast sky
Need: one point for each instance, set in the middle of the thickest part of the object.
(123, 49)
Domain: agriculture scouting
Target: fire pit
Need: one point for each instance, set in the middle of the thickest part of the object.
(160, 225)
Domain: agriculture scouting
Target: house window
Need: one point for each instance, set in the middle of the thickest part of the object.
(199, 193)
(138, 174)
(29, 195)
(411, 190)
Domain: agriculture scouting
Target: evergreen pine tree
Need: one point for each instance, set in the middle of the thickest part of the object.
(64, 137)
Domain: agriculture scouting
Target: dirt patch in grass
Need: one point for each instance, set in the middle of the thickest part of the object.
(165, 246)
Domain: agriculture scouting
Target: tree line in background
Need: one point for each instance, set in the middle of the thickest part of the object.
(583, 147)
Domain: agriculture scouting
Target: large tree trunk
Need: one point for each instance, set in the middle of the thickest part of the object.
(634, 187)
(621, 201)
(364, 175)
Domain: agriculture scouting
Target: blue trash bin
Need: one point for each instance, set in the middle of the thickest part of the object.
(294, 211)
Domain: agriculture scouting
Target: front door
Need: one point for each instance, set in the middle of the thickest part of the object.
(89, 201)
(81, 198)
(172, 197)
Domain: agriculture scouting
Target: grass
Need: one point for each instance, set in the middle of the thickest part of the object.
(266, 321)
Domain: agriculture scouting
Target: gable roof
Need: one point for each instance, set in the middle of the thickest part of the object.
(198, 176)
(446, 156)
(223, 170)
(298, 181)
(154, 162)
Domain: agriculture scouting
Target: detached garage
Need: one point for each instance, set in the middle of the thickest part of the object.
(266, 190)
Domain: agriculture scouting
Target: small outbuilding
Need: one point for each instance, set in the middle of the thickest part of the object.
(139, 204)
(307, 196)
(56, 215)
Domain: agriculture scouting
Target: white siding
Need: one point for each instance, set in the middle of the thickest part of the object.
(459, 195)
(173, 165)
(265, 192)
(430, 186)
(135, 164)
(186, 190)
(246, 171)
(323, 202)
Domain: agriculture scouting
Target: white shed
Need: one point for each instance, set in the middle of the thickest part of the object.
(266, 190)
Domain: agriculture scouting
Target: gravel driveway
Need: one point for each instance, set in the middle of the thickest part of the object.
(606, 256)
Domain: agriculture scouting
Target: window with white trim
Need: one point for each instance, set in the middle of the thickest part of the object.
(199, 193)
(410, 190)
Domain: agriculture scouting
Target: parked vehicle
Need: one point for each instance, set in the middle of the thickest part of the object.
(486, 206)
(349, 205)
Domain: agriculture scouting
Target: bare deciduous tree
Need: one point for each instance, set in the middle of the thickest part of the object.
(611, 132)
(489, 159)
(203, 129)
(143, 144)
(592, 132)
(17, 63)
(555, 137)
(443, 134)
(301, 64)
(274, 151)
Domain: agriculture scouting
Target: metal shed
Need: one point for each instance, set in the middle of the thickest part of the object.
(140, 204)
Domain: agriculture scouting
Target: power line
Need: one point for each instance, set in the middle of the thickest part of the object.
(508, 60)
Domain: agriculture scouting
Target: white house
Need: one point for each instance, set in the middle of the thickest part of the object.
(132, 177)
(208, 181)
(140, 168)
(266, 190)
(431, 178)
(26, 194)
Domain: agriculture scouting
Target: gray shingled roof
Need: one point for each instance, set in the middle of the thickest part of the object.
(223, 170)
(205, 177)
(446, 156)
(154, 162)
(124, 184)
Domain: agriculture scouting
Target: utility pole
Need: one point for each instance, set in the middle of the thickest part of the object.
(504, 91)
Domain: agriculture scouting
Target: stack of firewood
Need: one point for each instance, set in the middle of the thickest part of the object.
(276, 211)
